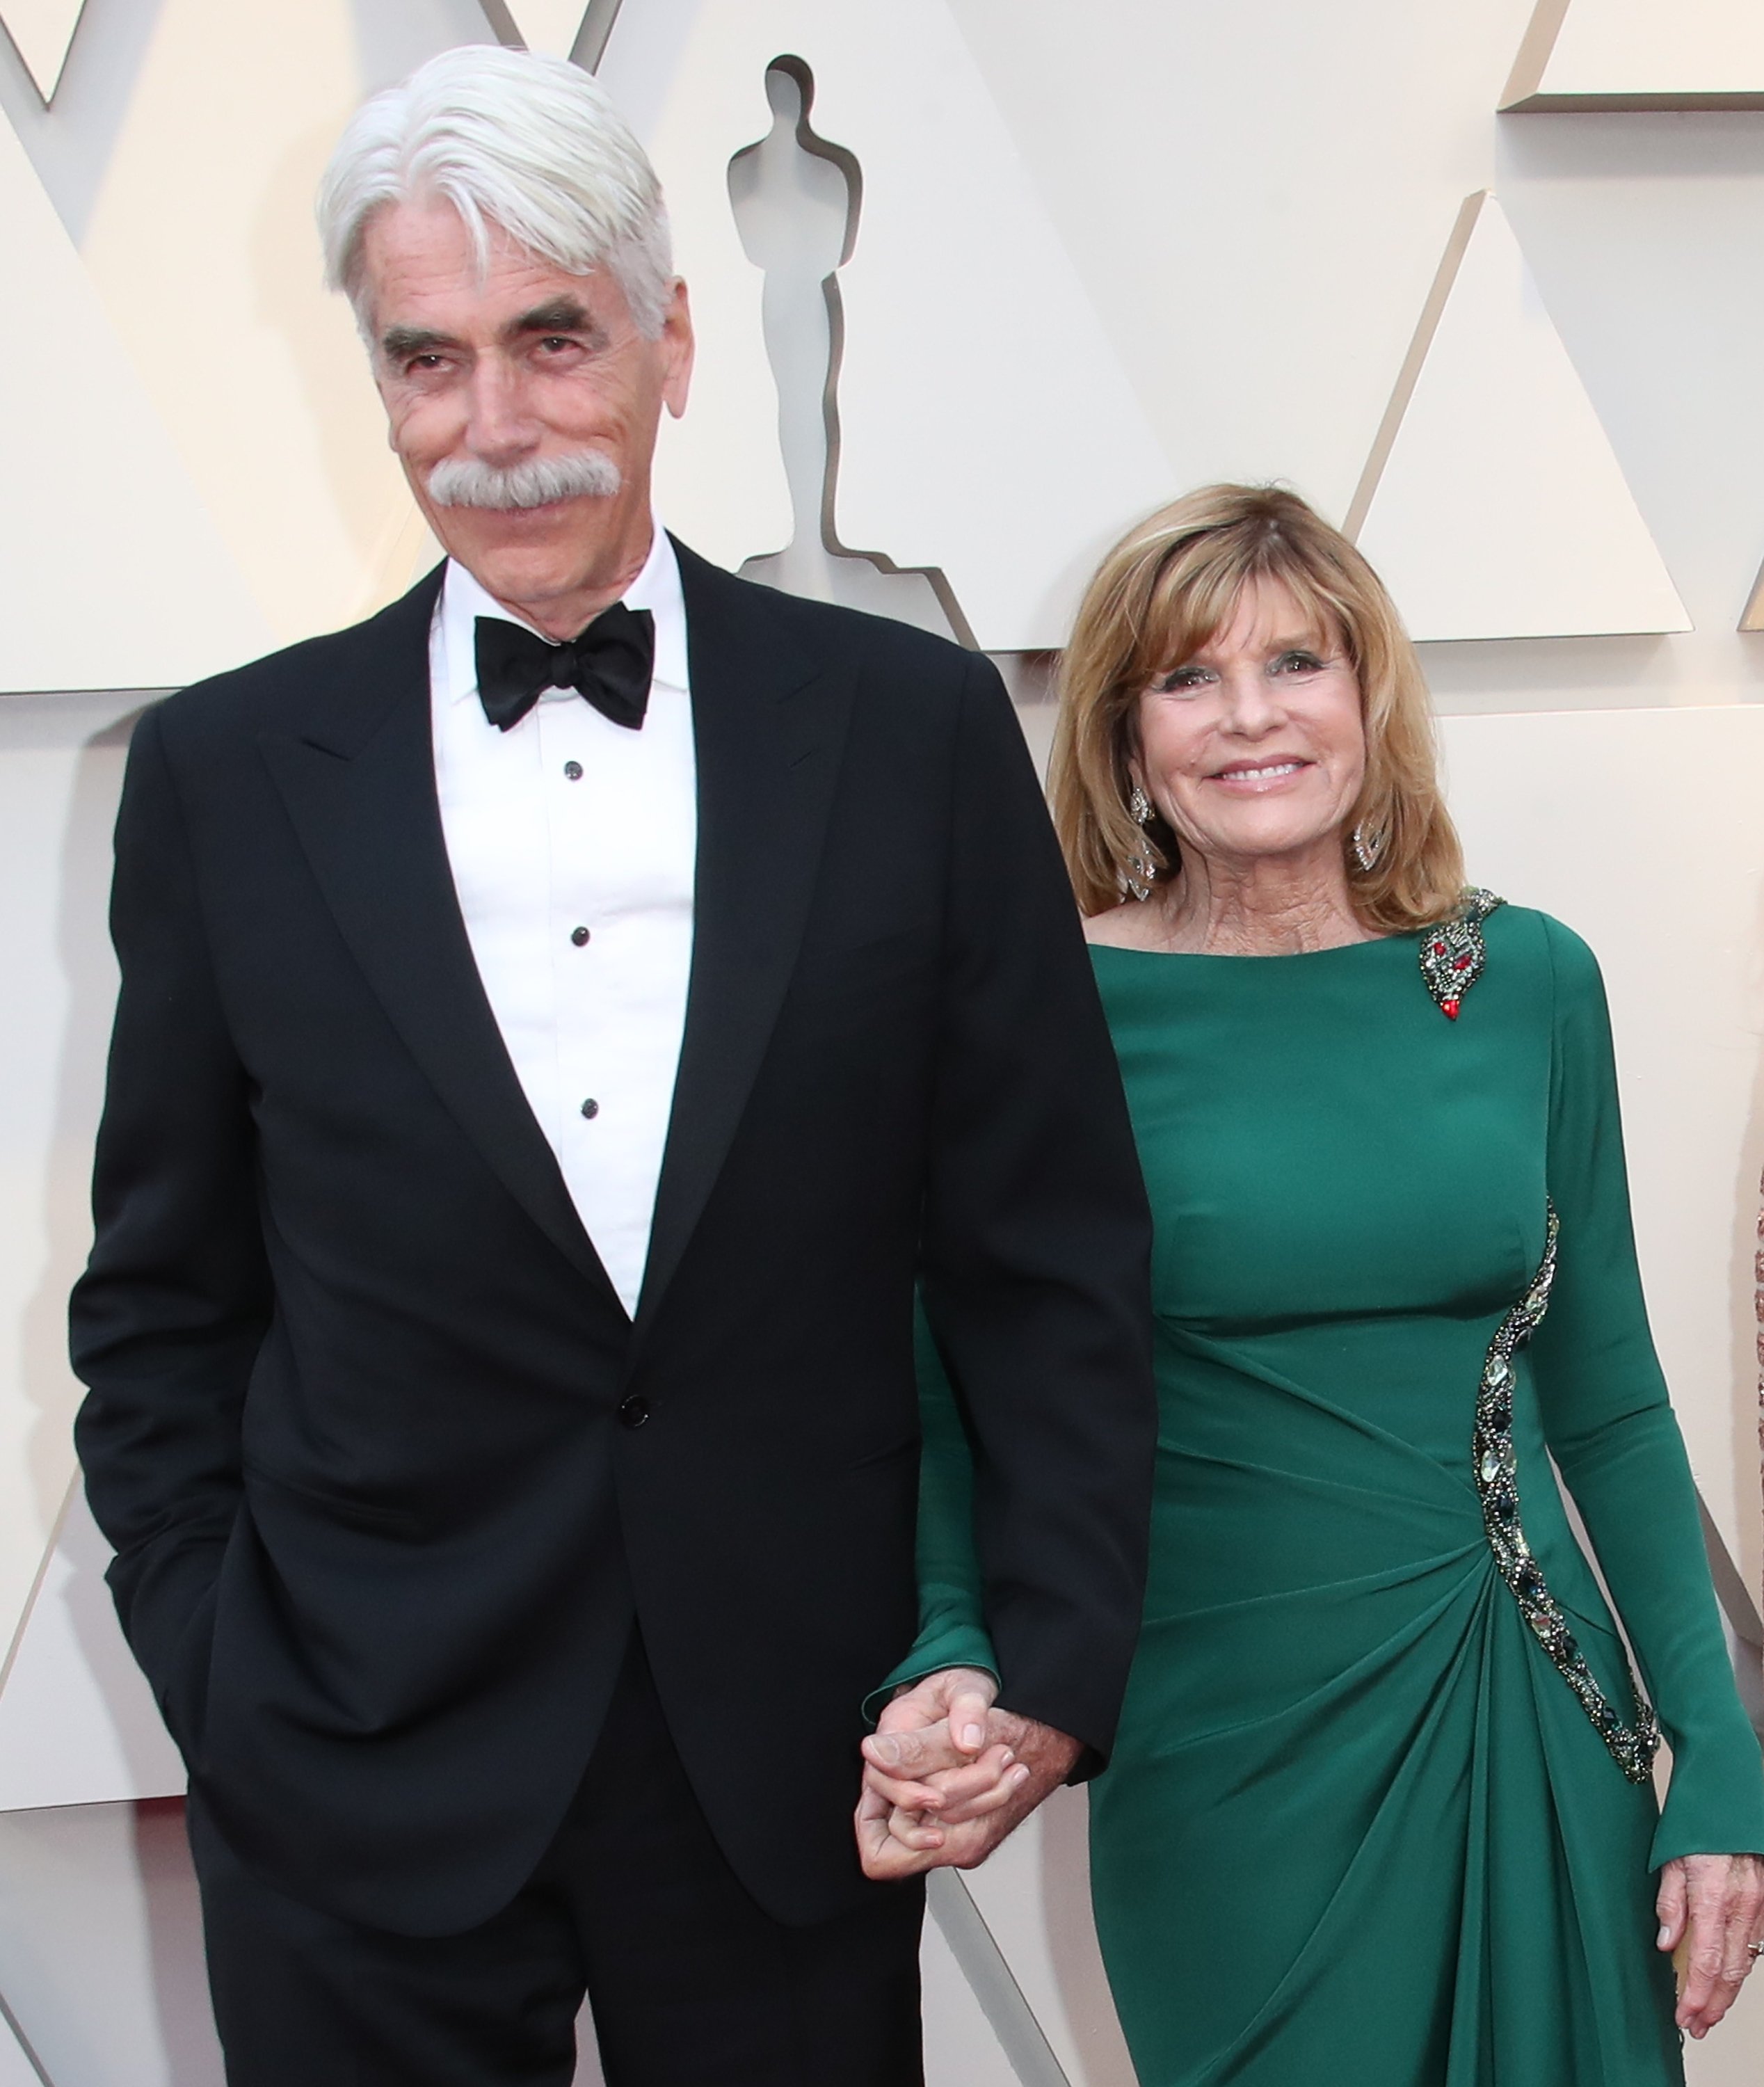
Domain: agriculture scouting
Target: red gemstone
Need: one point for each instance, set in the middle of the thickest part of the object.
(1462, 964)
(1451, 1006)
(1439, 948)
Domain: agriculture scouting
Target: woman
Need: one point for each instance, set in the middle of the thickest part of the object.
(1382, 1807)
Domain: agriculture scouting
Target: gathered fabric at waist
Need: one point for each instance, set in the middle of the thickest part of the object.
(1294, 1533)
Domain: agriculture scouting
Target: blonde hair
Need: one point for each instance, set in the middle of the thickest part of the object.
(1169, 585)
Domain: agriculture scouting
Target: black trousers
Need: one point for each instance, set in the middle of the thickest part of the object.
(692, 1984)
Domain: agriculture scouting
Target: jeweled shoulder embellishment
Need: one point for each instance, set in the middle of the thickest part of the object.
(1631, 1747)
(1452, 955)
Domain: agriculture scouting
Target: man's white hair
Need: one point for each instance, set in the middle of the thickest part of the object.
(516, 142)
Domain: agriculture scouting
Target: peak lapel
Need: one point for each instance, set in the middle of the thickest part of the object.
(770, 724)
(358, 778)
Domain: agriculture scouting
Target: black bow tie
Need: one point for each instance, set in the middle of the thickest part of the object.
(609, 664)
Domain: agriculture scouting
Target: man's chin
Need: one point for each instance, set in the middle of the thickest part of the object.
(525, 546)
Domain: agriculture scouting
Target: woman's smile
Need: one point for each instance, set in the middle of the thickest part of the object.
(1248, 777)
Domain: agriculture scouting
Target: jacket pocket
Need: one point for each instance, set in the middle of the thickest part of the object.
(337, 1504)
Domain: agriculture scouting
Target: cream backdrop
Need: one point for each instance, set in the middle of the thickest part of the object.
(1098, 255)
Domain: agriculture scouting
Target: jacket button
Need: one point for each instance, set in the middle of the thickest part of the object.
(590, 1108)
(573, 770)
(579, 937)
(634, 1412)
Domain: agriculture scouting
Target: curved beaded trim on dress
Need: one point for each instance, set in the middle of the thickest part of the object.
(1631, 1747)
(1452, 955)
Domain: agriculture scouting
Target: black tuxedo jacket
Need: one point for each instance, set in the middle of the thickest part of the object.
(389, 1470)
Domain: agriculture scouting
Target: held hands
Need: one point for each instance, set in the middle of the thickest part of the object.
(946, 1777)
(1714, 1905)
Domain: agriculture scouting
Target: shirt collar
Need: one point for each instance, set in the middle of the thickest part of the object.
(657, 588)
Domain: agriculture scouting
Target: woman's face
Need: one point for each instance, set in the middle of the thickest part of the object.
(1254, 746)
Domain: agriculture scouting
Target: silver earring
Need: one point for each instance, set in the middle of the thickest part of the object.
(1141, 871)
(1368, 846)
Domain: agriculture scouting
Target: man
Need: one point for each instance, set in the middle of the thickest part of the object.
(542, 1070)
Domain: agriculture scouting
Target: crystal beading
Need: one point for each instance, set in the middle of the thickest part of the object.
(1495, 1466)
(1452, 955)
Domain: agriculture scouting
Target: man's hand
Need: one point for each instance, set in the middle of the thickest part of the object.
(944, 1719)
(944, 1792)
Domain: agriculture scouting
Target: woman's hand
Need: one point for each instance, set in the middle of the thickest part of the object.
(1716, 1902)
(946, 1778)
(898, 1825)
(893, 1843)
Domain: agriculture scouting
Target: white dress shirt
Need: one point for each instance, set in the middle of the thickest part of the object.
(572, 842)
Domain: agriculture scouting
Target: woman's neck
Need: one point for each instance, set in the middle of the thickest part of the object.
(1271, 907)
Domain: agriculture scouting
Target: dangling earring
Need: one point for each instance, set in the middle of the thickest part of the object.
(1368, 846)
(1141, 871)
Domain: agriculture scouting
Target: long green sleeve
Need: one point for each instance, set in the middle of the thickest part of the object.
(1612, 1431)
(952, 1629)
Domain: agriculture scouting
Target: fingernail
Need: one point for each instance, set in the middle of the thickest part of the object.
(1663, 1937)
(1019, 1777)
(972, 1735)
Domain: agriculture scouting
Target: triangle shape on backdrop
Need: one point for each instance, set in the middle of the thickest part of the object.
(91, 422)
(1492, 503)
(1594, 54)
(78, 1721)
(42, 33)
(1753, 616)
(551, 26)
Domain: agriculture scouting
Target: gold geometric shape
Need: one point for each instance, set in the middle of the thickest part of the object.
(1614, 54)
(42, 33)
(1754, 617)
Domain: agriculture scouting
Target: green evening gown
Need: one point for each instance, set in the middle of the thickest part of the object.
(1359, 1826)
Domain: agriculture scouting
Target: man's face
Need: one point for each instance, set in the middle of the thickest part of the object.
(521, 365)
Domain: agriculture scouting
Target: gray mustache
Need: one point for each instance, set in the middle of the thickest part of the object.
(469, 482)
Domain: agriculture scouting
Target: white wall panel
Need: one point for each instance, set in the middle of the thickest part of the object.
(60, 768)
(17, 2068)
(78, 1721)
(100, 1947)
(552, 26)
(1034, 1896)
(966, 323)
(43, 33)
(95, 501)
(1494, 506)
(1641, 829)
(200, 240)
(1618, 53)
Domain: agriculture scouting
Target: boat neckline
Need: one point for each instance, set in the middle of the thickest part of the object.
(1243, 957)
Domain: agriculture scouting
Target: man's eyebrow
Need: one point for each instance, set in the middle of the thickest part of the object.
(563, 315)
(397, 342)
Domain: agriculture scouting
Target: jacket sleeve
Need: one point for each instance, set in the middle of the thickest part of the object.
(952, 1627)
(1036, 1249)
(169, 1316)
(1611, 1430)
